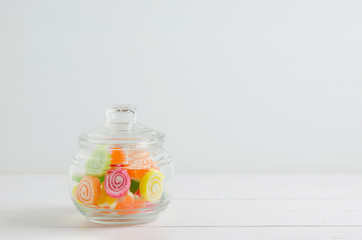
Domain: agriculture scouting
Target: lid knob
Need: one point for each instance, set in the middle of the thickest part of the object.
(121, 115)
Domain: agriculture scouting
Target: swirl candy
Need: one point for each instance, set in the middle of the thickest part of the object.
(88, 190)
(151, 186)
(117, 183)
(98, 162)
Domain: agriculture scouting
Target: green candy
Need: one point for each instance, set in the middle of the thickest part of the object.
(101, 178)
(134, 186)
(77, 178)
(98, 163)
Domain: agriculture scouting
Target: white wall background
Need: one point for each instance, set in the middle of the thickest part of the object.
(237, 86)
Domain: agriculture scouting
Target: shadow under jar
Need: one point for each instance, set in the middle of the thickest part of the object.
(121, 174)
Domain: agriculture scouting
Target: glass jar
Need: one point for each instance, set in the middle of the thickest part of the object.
(121, 174)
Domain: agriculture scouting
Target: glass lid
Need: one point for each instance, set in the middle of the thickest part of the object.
(122, 128)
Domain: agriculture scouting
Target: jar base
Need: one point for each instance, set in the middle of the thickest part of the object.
(114, 217)
(125, 221)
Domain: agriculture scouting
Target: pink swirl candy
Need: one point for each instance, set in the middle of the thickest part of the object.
(117, 183)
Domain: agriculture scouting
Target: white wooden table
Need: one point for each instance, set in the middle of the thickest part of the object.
(204, 207)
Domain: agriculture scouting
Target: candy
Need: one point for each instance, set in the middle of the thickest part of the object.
(117, 183)
(74, 191)
(134, 186)
(139, 162)
(138, 202)
(118, 157)
(138, 193)
(137, 173)
(125, 203)
(138, 157)
(98, 163)
(77, 178)
(106, 208)
(101, 178)
(88, 190)
(151, 186)
(104, 200)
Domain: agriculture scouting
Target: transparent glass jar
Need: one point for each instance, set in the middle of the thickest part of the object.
(121, 174)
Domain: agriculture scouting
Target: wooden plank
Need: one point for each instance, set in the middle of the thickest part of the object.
(43, 201)
(262, 213)
(207, 213)
(268, 186)
(190, 233)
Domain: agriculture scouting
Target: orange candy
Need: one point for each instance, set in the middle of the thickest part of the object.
(138, 203)
(137, 173)
(107, 208)
(139, 163)
(136, 162)
(125, 203)
(118, 156)
(88, 190)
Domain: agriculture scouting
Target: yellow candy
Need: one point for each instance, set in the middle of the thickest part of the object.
(110, 200)
(74, 188)
(104, 199)
(74, 194)
(151, 186)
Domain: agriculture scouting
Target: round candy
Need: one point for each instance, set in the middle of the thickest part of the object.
(88, 190)
(117, 183)
(98, 163)
(151, 186)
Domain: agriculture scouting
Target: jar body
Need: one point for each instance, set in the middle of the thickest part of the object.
(121, 183)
